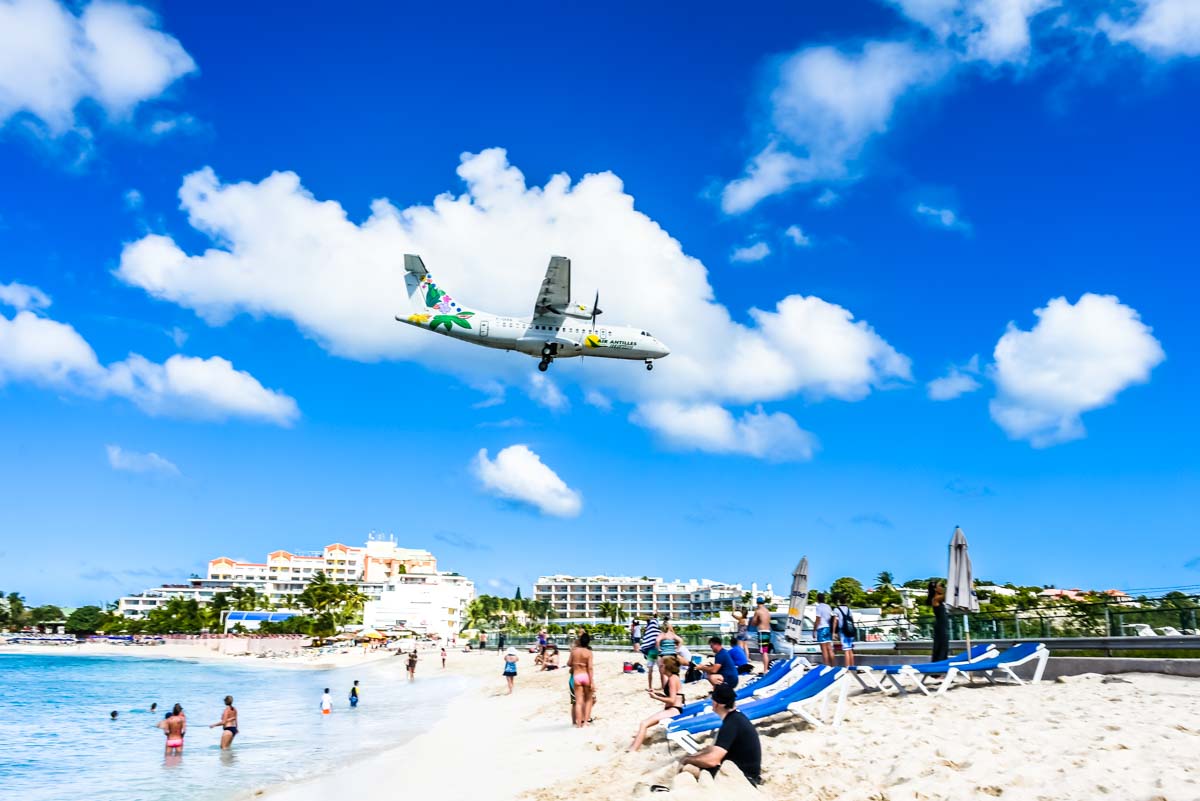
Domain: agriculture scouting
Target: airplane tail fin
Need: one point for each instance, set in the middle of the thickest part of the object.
(425, 298)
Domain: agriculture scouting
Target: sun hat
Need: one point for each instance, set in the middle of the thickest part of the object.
(511, 652)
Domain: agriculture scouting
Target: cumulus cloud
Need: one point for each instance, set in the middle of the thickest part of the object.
(546, 393)
(22, 296)
(827, 198)
(941, 217)
(798, 237)
(278, 251)
(1078, 357)
(993, 31)
(713, 429)
(598, 399)
(959, 380)
(518, 474)
(1163, 29)
(750, 253)
(134, 462)
(55, 56)
(826, 106)
(53, 355)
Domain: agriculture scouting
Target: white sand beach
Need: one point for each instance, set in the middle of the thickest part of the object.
(1129, 737)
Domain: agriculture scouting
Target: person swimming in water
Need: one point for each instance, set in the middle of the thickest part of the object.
(228, 721)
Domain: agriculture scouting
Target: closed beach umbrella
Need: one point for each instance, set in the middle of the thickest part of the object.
(799, 599)
(960, 585)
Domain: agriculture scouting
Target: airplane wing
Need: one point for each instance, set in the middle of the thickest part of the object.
(555, 293)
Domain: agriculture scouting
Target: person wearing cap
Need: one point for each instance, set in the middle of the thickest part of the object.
(510, 667)
(737, 741)
(762, 625)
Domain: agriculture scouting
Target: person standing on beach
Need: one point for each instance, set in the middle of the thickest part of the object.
(326, 703)
(843, 626)
(510, 668)
(824, 615)
(443, 657)
(583, 679)
(941, 622)
(669, 644)
(649, 647)
(229, 722)
(635, 634)
(762, 626)
(412, 664)
(354, 691)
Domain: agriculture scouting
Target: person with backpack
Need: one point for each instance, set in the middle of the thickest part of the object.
(843, 624)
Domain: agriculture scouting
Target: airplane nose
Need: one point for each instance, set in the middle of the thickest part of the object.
(662, 349)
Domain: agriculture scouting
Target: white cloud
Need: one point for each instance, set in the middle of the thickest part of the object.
(827, 198)
(53, 58)
(133, 200)
(750, 253)
(134, 462)
(1163, 29)
(942, 217)
(518, 474)
(993, 31)
(1077, 358)
(826, 106)
(598, 399)
(959, 380)
(707, 427)
(546, 393)
(278, 251)
(22, 296)
(798, 237)
(53, 355)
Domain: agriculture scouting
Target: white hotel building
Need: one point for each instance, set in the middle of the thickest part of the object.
(404, 585)
(578, 598)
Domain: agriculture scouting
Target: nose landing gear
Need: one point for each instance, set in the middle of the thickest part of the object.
(544, 365)
(649, 364)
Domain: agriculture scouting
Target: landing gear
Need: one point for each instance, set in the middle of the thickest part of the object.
(544, 365)
(547, 351)
(649, 364)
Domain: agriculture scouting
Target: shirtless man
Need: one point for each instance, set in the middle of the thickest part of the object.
(762, 624)
(175, 727)
(228, 722)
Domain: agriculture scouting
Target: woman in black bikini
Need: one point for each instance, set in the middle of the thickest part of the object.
(671, 698)
(228, 722)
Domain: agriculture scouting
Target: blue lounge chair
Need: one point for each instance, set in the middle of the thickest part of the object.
(815, 689)
(1018, 655)
(916, 673)
(777, 671)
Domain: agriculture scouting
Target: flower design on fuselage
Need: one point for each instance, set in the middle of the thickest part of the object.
(592, 341)
(449, 320)
(418, 318)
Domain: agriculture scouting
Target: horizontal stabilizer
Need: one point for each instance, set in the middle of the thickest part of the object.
(414, 265)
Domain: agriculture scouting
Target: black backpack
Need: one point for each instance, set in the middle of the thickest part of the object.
(846, 623)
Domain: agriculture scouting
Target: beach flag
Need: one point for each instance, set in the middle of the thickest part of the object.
(799, 600)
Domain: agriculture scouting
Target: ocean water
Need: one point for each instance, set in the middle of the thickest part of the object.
(58, 742)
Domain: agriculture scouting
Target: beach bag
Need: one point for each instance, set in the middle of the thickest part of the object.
(628, 667)
(846, 626)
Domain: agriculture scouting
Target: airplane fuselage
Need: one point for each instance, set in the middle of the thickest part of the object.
(563, 336)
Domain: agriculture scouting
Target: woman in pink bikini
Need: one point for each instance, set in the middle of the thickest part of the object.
(583, 674)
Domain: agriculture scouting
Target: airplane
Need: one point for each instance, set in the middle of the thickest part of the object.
(557, 329)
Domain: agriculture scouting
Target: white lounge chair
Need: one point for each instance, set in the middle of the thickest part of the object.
(1014, 657)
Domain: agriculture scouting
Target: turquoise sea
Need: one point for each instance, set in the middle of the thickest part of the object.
(58, 742)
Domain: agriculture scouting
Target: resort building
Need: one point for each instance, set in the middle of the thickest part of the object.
(407, 577)
(426, 603)
(579, 598)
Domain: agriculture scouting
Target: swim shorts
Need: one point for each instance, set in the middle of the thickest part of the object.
(847, 643)
(764, 641)
(650, 655)
(824, 635)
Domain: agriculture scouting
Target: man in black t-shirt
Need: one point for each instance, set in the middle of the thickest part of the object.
(737, 741)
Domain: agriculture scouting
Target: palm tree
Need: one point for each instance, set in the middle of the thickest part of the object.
(612, 611)
(352, 600)
(884, 579)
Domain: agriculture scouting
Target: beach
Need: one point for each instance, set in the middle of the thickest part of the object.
(1124, 737)
(1086, 737)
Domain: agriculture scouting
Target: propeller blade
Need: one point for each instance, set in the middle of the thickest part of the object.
(595, 309)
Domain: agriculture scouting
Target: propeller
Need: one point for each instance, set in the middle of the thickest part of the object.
(595, 309)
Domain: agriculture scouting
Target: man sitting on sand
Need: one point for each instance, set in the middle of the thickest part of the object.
(737, 741)
(722, 670)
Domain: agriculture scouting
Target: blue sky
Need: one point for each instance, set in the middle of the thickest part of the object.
(944, 173)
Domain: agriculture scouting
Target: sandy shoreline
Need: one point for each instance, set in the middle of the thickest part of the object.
(1081, 738)
(1126, 738)
(199, 651)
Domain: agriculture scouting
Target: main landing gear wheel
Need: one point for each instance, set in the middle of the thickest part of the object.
(649, 364)
(544, 365)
